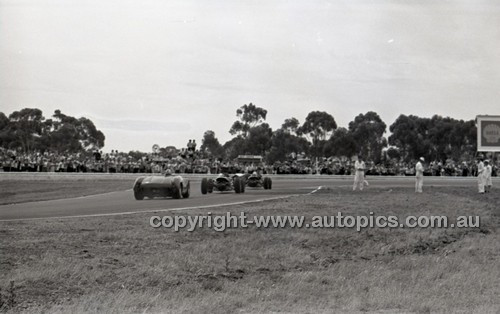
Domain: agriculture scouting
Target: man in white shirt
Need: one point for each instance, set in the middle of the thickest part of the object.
(487, 176)
(419, 175)
(359, 174)
(481, 171)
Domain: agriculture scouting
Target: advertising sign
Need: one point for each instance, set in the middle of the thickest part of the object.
(488, 133)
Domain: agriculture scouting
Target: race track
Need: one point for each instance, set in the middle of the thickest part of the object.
(123, 202)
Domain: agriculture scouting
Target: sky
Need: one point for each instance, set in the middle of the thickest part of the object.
(165, 71)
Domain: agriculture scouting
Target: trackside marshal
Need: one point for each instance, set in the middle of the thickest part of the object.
(488, 133)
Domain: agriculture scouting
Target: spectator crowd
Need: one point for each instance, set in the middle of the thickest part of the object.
(187, 162)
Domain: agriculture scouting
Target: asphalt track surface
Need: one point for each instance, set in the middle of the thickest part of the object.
(123, 202)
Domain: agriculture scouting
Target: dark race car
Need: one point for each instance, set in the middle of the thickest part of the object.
(255, 180)
(223, 183)
(161, 186)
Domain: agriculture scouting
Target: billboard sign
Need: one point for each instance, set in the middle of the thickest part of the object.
(488, 133)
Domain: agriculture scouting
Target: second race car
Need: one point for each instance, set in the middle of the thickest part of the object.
(256, 180)
(161, 186)
(223, 183)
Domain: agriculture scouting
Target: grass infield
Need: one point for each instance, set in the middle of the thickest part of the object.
(120, 264)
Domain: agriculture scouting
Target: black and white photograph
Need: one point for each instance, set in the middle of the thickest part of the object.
(279, 156)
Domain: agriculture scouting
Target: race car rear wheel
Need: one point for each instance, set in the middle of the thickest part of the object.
(268, 183)
(185, 194)
(243, 184)
(237, 185)
(204, 186)
(210, 186)
(177, 191)
(138, 194)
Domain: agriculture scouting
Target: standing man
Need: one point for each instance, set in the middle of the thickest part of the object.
(480, 175)
(419, 175)
(487, 176)
(359, 174)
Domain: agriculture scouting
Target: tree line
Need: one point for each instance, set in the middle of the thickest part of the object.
(29, 131)
(436, 138)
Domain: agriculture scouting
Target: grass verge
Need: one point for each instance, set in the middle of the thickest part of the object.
(120, 264)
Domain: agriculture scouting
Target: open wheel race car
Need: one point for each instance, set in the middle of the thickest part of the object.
(161, 186)
(255, 180)
(223, 183)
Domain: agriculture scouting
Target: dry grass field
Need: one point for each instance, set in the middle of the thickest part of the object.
(120, 264)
